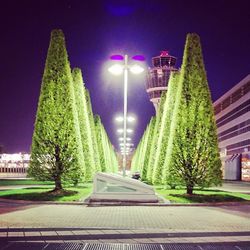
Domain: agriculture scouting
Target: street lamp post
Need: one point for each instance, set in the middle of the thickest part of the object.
(125, 109)
(116, 70)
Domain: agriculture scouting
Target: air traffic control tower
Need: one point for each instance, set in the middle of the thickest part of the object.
(158, 76)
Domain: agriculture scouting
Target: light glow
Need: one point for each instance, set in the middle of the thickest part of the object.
(127, 139)
(136, 69)
(119, 119)
(120, 130)
(116, 69)
(129, 130)
(130, 119)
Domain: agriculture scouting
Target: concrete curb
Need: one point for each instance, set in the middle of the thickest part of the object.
(100, 204)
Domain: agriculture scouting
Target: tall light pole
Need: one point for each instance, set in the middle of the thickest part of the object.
(125, 109)
(118, 69)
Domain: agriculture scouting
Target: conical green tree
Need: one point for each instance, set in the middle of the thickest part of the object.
(97, 166)
(100, 143)
(108, 158)
(105, 143)
(84, 123)
(135, 159)
(113, 159)
(56, 152)
(195, 154)
(143, 148)
(154, 145)
(147, 147)
(164, 128)
(168, 176)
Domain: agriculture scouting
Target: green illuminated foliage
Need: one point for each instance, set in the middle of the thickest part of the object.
(147, 147)
(84, 123)
(164, 128)
(108, 158)
(135, 159)
(56, 152)
(96, 159)
(154, 143)
(193, 157)
(100, 143)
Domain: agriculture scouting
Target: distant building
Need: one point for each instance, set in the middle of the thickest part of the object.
(158, 76)
(232, 112)
(14, 165)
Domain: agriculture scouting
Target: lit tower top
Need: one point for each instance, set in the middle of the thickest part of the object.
(158, 76)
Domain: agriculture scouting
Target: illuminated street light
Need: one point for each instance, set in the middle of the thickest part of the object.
(129, 131)
(120, 119)
(120, 130)
(127, 139)
(131, 119)
(117, 69)
(136, 69)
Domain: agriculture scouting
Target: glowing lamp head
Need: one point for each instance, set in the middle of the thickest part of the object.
(130, 119)
(136, 69)
(120, 130)
(116, 69)
(119, 119)
(129, 130)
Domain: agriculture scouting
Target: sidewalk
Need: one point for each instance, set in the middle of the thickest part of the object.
(235, 186)
(78, 223)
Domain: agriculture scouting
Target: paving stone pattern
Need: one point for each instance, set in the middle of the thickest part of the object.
(171, 218)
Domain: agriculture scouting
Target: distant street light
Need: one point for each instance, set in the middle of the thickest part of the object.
(119, 119)
(120, 130)
(129, 119)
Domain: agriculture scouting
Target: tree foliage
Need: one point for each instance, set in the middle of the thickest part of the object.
(184, 147)
(154, 143)
(97, 166)
(147, 147)
(194, 158)
(108, 158)
(56, 152)
(164, 128)
(84, 118)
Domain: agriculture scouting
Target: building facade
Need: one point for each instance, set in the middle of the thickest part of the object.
(232, 113)
(158, 76)
(14, 165)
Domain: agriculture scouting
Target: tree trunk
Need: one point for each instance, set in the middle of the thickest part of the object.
(58, 183)
(190, 190)
(57, 178)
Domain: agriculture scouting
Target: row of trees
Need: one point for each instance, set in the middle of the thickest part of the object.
(179, 146)
(69, 144)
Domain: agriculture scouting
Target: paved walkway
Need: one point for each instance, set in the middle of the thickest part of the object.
(235, 186)
(130, 224)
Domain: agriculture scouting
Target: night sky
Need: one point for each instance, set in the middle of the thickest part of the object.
(94, 30)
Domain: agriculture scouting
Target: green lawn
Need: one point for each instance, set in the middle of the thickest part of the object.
(83, 191)
(8, 182)
(200, 195)
(44, 194)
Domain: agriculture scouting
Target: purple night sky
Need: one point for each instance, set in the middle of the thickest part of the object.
(94, 30)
